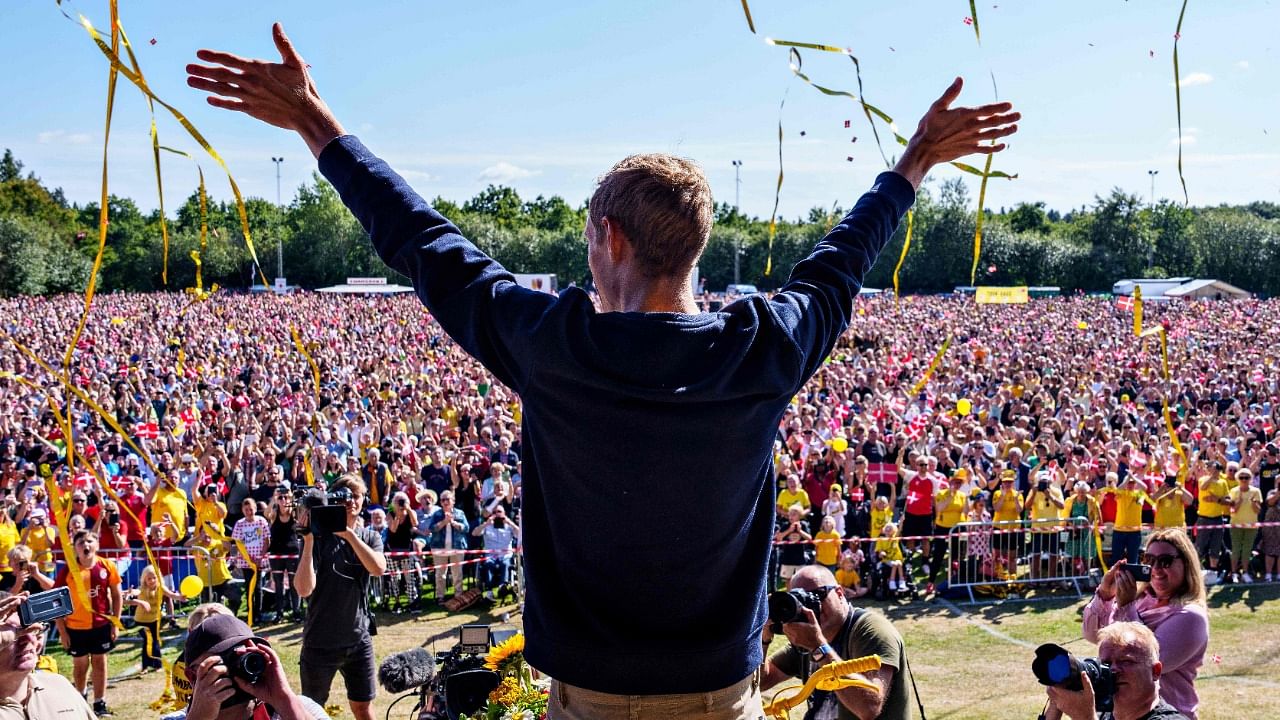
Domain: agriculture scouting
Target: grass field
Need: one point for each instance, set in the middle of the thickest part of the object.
(970, 661)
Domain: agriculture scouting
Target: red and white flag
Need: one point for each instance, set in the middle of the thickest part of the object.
(1125, 303)
(915, 430)
(147, 431)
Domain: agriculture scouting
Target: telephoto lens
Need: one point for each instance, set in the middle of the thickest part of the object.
(1056, 667)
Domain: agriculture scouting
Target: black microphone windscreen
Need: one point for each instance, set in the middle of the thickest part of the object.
(407, 670)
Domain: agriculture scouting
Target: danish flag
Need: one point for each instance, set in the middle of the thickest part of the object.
(147, 431)
(1125, 303)
(188, 416)
(915, 430)
(898, 405)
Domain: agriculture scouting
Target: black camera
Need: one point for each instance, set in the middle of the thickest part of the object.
(113, 518)
(1042, 486)
(500, 522)
(249, 665)
(1139, 572)
(328, 510)
(1171, 480)
(786, 606)
(1056, 667)
(45, 606)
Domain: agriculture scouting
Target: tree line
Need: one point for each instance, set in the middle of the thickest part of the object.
(47, 244)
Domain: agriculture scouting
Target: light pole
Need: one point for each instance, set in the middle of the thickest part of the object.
(737, 192)
(1151, 250)
(279, 235)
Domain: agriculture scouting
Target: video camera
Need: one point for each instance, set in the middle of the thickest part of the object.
(328, 510)
(453, 685)
(1055, 666)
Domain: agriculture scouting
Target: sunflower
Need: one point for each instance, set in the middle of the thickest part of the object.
(507, 656)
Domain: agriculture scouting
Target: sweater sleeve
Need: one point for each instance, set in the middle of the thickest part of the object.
(1183, 638)
(474, 298)
(816, 304)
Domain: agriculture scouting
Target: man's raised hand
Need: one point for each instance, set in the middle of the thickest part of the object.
(947, 134)
(281, 94)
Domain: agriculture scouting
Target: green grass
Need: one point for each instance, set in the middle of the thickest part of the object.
(963, 671)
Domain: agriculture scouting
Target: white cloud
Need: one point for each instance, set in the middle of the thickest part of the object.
(61, 137)
(1196, 78)
(503, 172)
(1186, 140)
(1243, 65)
(421, 175)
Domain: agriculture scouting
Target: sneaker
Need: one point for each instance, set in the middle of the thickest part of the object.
(1211, 577)
(1247, 577)
(893, 584)
(100, 708)
(926, 569)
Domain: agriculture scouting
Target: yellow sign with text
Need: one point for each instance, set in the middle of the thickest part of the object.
(1001, 295)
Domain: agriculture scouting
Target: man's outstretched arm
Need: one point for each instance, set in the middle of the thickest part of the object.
(281, 94)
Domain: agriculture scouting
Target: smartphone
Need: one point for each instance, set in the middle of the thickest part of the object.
(45, 606)
(1139, 572)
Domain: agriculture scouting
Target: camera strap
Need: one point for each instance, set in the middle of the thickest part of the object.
(820, 698)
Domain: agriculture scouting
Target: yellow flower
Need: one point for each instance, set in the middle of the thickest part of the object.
(506, 692)
(508, 650)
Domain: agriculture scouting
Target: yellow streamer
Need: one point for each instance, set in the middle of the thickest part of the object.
(155, 152)
(973, 15)
(829, 678)
(906, 245)
(315, 369)
(1137, 310)
(103, 211)
(1177, 96)
(933, 365)
(141, 84)
(747, 11)
(777, 194)
(977, 231)
(810, 46)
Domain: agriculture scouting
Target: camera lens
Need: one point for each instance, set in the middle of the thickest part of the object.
(251, 666)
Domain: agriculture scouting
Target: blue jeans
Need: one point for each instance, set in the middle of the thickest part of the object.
(1126, 544)
(495, 571)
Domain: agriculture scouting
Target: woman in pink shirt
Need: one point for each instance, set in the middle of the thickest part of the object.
(1172, 605)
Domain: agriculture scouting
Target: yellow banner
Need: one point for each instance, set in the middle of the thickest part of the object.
(1001, 295)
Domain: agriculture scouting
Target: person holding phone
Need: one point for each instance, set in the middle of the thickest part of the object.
(1171, 604)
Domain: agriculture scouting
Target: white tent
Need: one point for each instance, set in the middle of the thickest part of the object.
(366, 286)
(1207, 290)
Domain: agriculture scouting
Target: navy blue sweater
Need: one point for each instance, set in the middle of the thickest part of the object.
(648, 437)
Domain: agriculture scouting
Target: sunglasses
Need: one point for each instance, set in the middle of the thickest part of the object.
(1163, 562)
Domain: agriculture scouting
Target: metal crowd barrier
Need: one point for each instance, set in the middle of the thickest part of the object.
(999, 556)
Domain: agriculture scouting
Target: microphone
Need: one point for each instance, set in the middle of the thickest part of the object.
(407, 670)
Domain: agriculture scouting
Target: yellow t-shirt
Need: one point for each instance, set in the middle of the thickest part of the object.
(786, 499)
(1044, 514)
(828, 552)
(1170, 512)
(891, 548)
(848, 578)
(154, 598)
(952, 514)
(1217, 486)
(41, 542)
(213, 566)
(173, 501)
(1245, 513)
(879, 518)
(1129, 508)
(210, 511)
(1012, 509)
(9, 537)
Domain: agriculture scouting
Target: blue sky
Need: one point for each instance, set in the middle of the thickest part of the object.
(546, 96)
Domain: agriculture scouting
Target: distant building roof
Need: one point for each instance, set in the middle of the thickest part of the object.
(1207, 288)
(365, 289)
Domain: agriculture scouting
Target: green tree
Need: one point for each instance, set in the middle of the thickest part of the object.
(500, 203)
(1029, 218)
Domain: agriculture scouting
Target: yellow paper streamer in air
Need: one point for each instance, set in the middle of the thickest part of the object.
(933, 365)
(103, 211)
(808, 45)
(977, 230)
(973, 15)
(906, 245)
(141, 84)
(155, 153)
(1137, 310)
(747, 11)
(1177, 96)
(315, 369)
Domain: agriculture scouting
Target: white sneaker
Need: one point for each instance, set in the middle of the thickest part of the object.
(1247, 577)
(893, 584)
(1210, 577)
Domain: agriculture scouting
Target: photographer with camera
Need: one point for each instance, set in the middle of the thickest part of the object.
(27, 693)
(1132, 654)
(1171, 602)
(334, 573)
(824, 628)
(500, 536)
(233, 672)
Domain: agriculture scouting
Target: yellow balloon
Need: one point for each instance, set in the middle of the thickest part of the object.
(964, 406)
(1083, 325)
(839, 444)
(191, 586)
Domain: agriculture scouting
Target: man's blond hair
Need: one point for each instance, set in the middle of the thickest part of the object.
(663, 205)
(1133, 635)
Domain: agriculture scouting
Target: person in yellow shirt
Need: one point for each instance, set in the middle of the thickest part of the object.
(168, 502)
(211, 564)
(1007, 504)
(9, 537)
(847, 576)
(881, 513)
(1126, 541)
(793, 495)
(1211, 514)
(41, 537)
(1245, 502)
(889, 554)
(208, 508)
(1172, 501)
(950, 504)
(827, 544)
(148, 599)
(1045, 503)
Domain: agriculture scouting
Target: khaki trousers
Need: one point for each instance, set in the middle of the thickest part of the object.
(740, 701)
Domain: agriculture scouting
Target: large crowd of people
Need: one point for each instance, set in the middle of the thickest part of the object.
(1035, 413)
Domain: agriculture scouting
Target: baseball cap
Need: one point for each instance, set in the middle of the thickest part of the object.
(217, 634)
